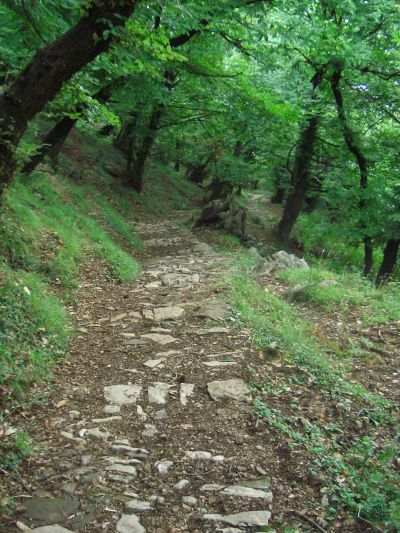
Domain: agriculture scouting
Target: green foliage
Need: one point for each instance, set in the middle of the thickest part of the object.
(339, 290)
(360, 476)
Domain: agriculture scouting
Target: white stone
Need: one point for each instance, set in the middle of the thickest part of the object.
(199, 455)
(130, 524)
(186, 390)
(182, 484)
(247, 518)
(122, 469)
(212, 331)
(122, 394)
(159, 338)
(233, 389)
(220, 364)
(105, 420)
(138, 506)
(218, 458)
(98, 433)
(190, 500)
(50, 529)
(247, 492)
(153, 363)
(164, 466)
(168, 313)
(149, 431)
(118, 460)
(158, 393)
(112, 409)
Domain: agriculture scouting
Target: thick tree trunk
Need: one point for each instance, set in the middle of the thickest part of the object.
(301, 169)
(390, 255)
(300, 178)
(355, 149)
(50, 68)
(135, 178)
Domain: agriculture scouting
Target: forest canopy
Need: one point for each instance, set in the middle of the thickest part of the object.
(302, 95)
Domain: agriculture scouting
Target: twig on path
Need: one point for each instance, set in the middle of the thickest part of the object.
(307, 519)
(370, 524)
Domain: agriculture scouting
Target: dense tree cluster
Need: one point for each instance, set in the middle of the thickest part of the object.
(302, 93)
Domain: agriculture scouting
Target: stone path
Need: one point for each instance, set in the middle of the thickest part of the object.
(152, 429)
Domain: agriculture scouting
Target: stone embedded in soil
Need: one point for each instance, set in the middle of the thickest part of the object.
(229, 389)
(130, 524)
(182, 484)
(211, 331)
(138, 506)
(118, 460)
(247, 518)
(161, 415)
(122, 394)
(262, 484)
(117, 318)
(213, 310)
(164, 466)
(137, 453)
(70, 436)
(105, 420)
(239, 491)
(122, 469)
(186, 390)
(190, 500)
(168, 313)
(153, 363)
(220, 364)
(158, 393)
(159, 338)
(199, 455)
(97, 433)
(149, 431)
(112, 409)
(48, 511)
(136, 342)
(50, 529)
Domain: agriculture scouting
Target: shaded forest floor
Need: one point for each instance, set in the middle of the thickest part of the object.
(147, 382)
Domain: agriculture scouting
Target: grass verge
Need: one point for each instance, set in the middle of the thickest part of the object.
(360, 472)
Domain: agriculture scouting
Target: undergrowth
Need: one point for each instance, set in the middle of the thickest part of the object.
(344, 289)
(360, 475)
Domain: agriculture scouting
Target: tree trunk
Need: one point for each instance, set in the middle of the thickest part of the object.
(278, 196)
(52, 143)
(51, 67)
(355, 149)
(390, 255)
(301, 169)
(135, 178)
(300, 178)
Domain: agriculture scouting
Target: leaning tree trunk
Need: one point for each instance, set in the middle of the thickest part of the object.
(301, 169)
(390, 255)
(355, 149)
(300, 178)
(54, 140)
(51, 67)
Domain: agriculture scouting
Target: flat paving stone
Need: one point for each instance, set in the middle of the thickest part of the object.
(247, 518)
(122, 394)
(229, 389)
(48, 511)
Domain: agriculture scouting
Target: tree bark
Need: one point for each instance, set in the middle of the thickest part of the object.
(51, 67)
(300, 178)
(301, 170)
(52, 143)
(390, 255)
(135, 178)
(355, 149)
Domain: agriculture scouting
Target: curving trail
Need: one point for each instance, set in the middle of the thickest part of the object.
(150, 426)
